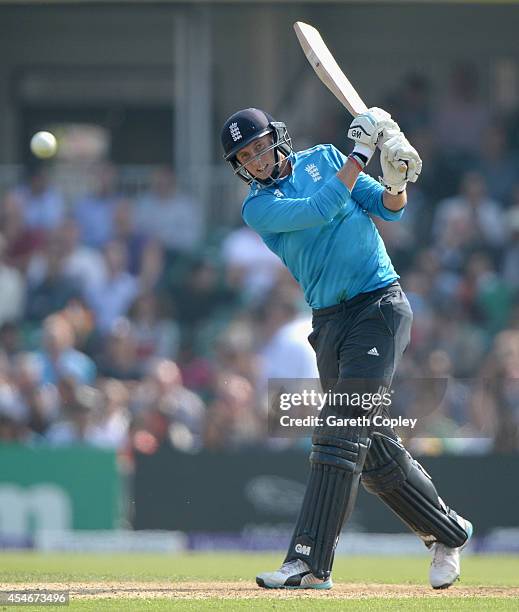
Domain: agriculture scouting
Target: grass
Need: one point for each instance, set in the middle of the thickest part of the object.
(32, 567)
(502, 570)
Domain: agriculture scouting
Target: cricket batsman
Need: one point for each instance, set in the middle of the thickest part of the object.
(312, 208)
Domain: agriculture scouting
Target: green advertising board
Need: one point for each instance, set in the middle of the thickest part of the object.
(57, 488)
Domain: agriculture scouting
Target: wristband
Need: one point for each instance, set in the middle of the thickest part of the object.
(356, 161)
(362, 154)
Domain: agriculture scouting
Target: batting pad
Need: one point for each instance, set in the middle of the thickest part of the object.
(402, 483)
(336, 464)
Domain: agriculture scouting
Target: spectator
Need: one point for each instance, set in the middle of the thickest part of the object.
(284, 349)
(484, 295)
(112, 297)
(156, 335)
(235, 350)
(82, 321)
(171, 217)
(232, 419)
(250, 266)
(22, 242)
(82, 265)
(410, 105)
(202, 297)
(11, 430)
(79, 407)
(152, 268)
(497, 164)
(170, 408)
(113, 420)
(126, 232)
(95, 212)
(58, 357)
(38, 402)
(462, 340)
(12, 289)
(418, 294)
(461, 120)
(470, 218)
(511, 255)
(42, 205)
(461, 116)
(500, 398)
(14, 414)
(10, 340)
(197, 369)
(119, 358)
(54, 289)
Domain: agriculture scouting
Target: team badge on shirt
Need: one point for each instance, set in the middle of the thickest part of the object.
(313, 171)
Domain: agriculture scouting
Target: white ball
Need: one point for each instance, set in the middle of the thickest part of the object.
(44, 145)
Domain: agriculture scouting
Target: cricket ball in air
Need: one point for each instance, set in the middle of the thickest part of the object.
(44, 145)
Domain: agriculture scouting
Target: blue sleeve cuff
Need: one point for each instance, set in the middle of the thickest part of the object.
(388, 214)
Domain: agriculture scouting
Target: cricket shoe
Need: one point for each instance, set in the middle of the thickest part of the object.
(293, 575)
(445, 565)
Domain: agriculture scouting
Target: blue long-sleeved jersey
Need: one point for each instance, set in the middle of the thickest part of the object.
(321, 231)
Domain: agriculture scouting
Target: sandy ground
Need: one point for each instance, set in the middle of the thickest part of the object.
(248, 590)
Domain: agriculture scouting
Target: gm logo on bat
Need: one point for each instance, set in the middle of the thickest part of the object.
(303, 550)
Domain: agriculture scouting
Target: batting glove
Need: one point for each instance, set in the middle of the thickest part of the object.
(396, 155)
(369, 129)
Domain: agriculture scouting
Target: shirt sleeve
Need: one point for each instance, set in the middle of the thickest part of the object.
(367, 192)
(337, 158)
(265, 212)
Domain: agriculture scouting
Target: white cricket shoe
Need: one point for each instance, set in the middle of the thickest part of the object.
(293, 575)
(445, 565)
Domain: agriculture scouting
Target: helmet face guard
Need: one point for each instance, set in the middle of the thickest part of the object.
(248, 125)
(281, 143)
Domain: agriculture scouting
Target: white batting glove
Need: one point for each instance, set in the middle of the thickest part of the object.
(367, 130)
(398, 154)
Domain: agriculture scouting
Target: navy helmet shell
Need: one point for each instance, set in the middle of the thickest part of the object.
(247, 125)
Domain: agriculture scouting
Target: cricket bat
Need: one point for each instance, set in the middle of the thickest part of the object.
(327, 69)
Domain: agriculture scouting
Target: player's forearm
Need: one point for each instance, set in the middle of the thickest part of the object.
(394, 202)
(349, 173)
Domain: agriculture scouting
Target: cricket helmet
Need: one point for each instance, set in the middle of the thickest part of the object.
(247, 125)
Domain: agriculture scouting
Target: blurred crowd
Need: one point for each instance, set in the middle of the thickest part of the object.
(127, 322)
